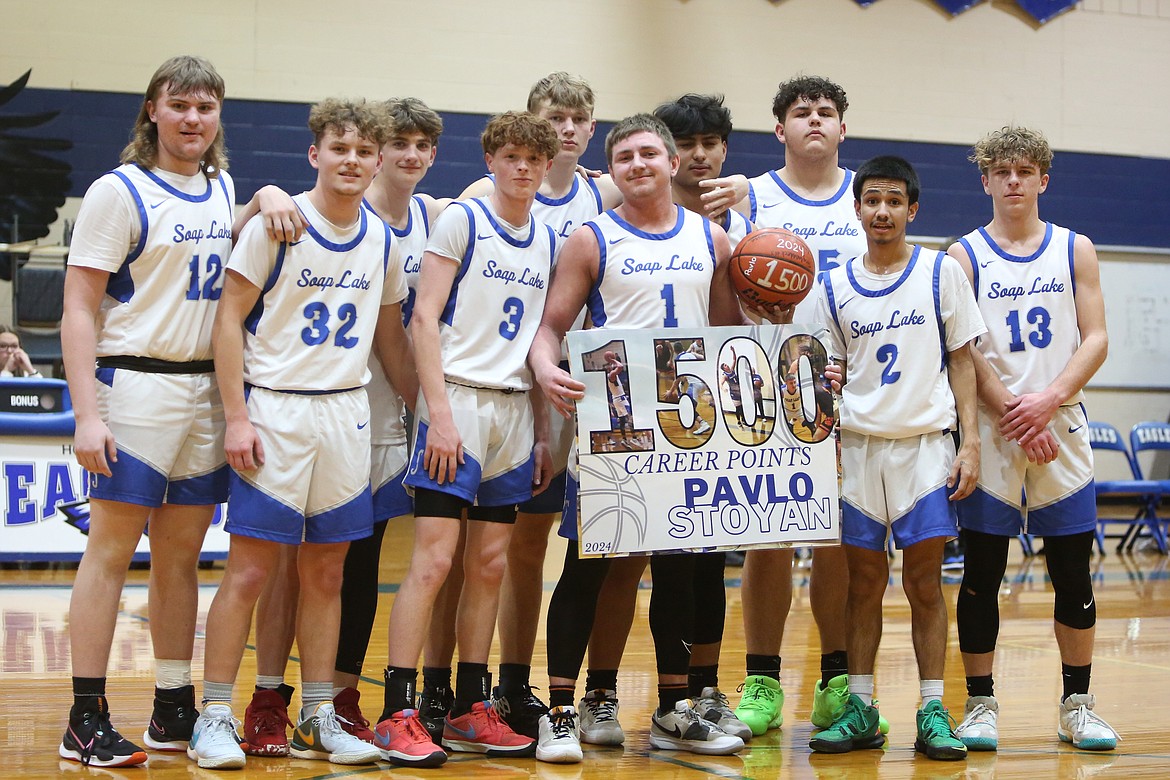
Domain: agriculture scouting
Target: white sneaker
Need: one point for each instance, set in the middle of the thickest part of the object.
(599, 722)
(1082, 727)
(712, 705)
(683, 729)
(214, 743)
(979, 729)
(321, 737)
(703, 427)
(559, 741)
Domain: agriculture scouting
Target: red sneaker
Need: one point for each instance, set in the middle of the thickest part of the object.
(350, 715)
(403, 740)
(264, 724)
(482, 731)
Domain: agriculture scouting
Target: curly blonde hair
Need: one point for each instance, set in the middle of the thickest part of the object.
(522, 129)
(182, 75)
(1012, 144)
(369, 120)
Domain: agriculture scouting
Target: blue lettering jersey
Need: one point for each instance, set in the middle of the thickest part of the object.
(894, 332)
(1029, 304)
(312, 327)
(652, 280)
(165, 239)
(497, 299)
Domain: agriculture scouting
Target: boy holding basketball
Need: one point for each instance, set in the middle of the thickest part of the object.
(1032, 369)
(901, 323)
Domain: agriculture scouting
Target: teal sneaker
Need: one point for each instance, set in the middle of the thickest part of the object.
(829, 703)
(761, 704)
(935, 737)
(856, 729)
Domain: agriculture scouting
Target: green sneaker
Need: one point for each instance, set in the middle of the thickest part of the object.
(761, 704)
(935, 736)
(829, 703)
(856, 729)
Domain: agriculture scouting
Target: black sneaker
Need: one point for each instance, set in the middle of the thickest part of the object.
(521, 712)
(434, 705)
(91, 740)
(173, 719)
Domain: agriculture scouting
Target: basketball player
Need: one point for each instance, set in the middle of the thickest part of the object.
(642, 160)
(142, 303)
(1044, 344)
(809, 195)
(292, 483)
(407, 156)
(488, 259)
(565, 201)
(901, 320)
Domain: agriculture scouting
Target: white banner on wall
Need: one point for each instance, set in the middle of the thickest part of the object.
(46, 509)
(704, 438)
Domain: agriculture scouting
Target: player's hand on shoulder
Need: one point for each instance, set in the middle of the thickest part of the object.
(1043, 448)
(723, 193)
(282, 219)
(1027, 416)
(242, 446)
(444, 451)
(93, 446)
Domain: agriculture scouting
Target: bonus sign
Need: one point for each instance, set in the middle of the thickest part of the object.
(704, 438)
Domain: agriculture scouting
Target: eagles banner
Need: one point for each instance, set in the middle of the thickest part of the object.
(706, 438)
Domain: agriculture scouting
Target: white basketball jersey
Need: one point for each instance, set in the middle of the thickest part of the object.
(387, 425)
(312, 327)
(565, 214)
(894, 333)
(736, 225)
(652, 280)
(1029, 305)
(160, 301)
(829, 227)
(497, 300)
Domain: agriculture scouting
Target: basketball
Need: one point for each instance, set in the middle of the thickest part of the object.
(772, 266)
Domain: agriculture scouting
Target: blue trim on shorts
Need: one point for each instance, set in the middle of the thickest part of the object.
(392, 500)
(210, 488)
(511, 487)
(352, 520)
(988, 514)
(1076, 513)
(568, 527)
(932, 516)
(134, 482)
(551, 501)
(467, 475)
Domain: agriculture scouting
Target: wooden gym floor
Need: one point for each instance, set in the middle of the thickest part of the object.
(1131, 679)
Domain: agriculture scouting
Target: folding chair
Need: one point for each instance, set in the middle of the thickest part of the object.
(1139, 495)
(1151, 437)
(37, 303)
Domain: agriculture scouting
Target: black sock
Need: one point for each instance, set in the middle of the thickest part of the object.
(473, 682)
(981, 685)
(601, 680)
(1076, 679)
(700, 677)
(89, 694)
(399, 693)
(561, 695)
(669, 695)
(833, 664)
(436, 677)
(514, 679)
(763, 666)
